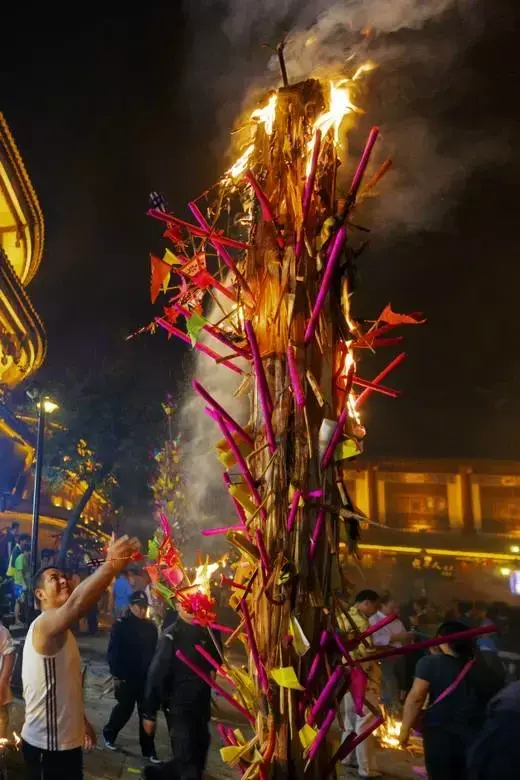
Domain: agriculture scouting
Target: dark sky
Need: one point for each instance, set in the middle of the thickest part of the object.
(109, 106)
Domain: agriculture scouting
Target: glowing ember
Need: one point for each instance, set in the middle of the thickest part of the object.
(266, 115)
(388, 733)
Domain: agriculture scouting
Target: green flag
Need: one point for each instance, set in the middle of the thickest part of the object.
(194, 326)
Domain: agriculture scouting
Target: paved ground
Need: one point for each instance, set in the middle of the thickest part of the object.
(127, 763)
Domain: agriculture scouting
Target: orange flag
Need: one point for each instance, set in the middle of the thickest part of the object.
(160, 277)
(393, 318)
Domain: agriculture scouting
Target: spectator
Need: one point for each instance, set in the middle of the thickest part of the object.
(22, 579)
(130, 651)
(496, 751)
(7, 541)
(122, 591)
(459, 687)
(357, 620)
(6, 667)
(189, 697)
(391, 635)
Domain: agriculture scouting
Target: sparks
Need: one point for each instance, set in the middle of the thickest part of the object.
(241, 164)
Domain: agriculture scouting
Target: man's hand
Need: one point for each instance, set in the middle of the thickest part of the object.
(90, 736)
(149, 727)
(120, 551)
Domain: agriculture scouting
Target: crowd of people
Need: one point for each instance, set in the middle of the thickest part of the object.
(454, 694)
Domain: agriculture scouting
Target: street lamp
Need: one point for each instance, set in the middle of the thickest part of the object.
(45, 406)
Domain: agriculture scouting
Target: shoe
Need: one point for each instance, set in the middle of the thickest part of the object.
(154, 759)
(110, 746)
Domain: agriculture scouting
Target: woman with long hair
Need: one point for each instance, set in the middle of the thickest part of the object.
(458, 685)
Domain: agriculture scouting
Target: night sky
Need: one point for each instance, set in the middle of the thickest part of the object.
(110, 106)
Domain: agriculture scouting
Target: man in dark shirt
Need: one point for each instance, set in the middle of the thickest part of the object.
(188, 697)
(132, 644)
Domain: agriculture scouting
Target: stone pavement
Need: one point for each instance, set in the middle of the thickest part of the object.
(127, 762)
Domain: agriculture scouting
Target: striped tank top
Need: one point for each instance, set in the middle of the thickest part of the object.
(53, 694)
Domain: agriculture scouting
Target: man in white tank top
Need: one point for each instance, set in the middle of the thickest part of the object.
(55, 728)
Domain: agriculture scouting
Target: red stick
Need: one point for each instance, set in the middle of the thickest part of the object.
(207, 234)
(265, 205)
(214, 685)
(378, 388)
(366, 393)
(198, 345)
(262, 676)
(467, 634)
(351, 741)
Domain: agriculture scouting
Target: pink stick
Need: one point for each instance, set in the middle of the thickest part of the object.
(360, 170)
(320, 737)
(293, 509)
(377, 626)
(326, 282)
(253, 647)
(340, 238)
(352, 741)
(263, 387)
(325, 694)
(308, 191)
(343, 648)
(265, 204)
(201, 390)
(366, 393)
(222, 732)
(433, 641)
(215, 332)
(242, 465)
(214, 685)
(317, 493)
(294, 377)
(214, 416)
(213, 662)
(221, 251)
(259, 366)
(335, 438)
(222, 628)
(316, 533)
(222, 530)
(203, 348)
(238, 507)
(324, 639)
(259, 537)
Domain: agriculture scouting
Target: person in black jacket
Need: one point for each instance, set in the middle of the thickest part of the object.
(496, 751)
(132, 644)
(188, 698)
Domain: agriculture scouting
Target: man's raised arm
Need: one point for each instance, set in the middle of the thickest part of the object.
(84, 597)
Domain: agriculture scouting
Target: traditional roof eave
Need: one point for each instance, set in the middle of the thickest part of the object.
(18, 187)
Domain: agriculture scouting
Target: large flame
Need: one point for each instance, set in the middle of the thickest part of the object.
(266, 115)
(202, 579)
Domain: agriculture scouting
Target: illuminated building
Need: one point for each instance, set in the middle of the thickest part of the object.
(22, 347)
(454, 514)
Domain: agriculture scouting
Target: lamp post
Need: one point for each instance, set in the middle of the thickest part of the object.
(45, 407)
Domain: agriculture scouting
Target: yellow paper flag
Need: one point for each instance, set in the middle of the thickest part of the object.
(240, 492)
(287, 678)
(300, 643)
(171, 258)
(307, 735)
(346, 449)
(225, 454)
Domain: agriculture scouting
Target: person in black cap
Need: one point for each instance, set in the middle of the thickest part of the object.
(187, 697)
(130, 651)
